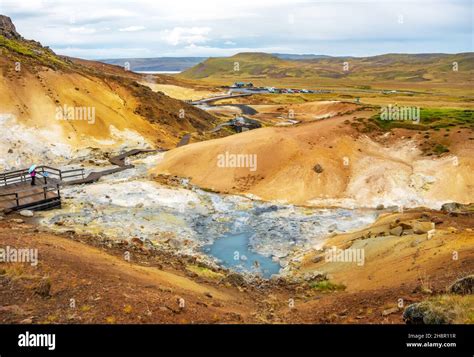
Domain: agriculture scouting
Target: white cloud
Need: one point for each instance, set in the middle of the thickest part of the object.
(114, 52)
(82, 30)
(186, 35)
(347, 27)
(203, 51)
(132, 28)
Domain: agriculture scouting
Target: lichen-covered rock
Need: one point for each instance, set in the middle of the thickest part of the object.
(454, 207)
(463, 286)
(424, 313)
(44, 288)
(314, 276)
(235, 279)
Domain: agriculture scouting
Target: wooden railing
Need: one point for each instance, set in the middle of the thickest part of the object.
(12, 177)
(19, 176)
(16, 198)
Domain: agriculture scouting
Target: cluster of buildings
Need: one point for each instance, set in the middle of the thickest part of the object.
(250, 88)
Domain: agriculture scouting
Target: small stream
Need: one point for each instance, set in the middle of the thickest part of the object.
(236, 232)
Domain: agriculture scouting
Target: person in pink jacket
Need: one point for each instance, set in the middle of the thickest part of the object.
(33, 177)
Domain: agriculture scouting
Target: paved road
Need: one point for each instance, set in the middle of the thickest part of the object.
(212, 99)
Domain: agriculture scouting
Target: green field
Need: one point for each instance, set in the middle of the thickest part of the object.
(431, 118)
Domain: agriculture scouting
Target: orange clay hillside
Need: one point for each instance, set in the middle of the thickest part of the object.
(333, 162)
(35, 82)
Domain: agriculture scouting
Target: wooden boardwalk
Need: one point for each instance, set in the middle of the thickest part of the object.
(16, 191)
(23, 195)
(118, 160)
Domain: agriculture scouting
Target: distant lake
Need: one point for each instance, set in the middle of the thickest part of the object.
(157, 72)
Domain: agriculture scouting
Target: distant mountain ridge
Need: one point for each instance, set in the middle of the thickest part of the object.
(297, 57)
(178, 64)
(171, 64)
(270, 69)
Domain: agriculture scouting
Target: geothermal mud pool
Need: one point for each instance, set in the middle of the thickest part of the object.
(236, 232)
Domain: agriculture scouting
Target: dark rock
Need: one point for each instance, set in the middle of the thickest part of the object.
(191, 274)
(44, 288)
(260, 210)
(137, 241)
(463, 286)
(7, 28)
(317, 259)
(450, 207)
(454, 207)
(318, 168)
(235, 279)
(424, 313)
(315, 276)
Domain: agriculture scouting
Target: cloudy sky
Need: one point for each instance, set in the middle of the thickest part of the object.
(150, 28)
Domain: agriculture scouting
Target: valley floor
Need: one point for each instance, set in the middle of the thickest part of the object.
(87, 279)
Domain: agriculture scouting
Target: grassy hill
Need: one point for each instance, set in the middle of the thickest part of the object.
(389, 70)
